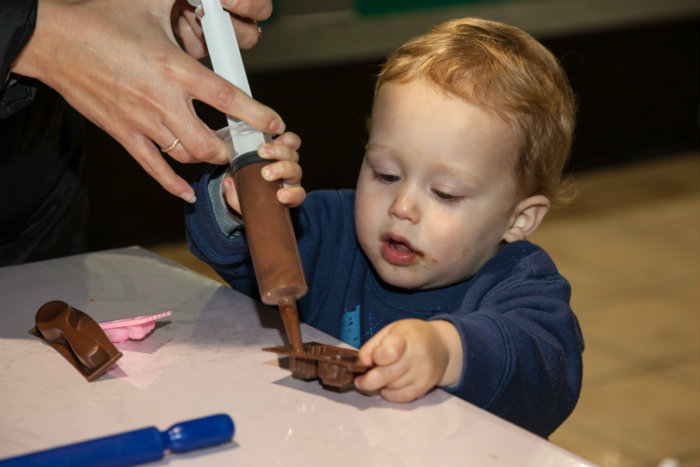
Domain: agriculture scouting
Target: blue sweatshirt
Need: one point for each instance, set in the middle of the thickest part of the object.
(522, 343)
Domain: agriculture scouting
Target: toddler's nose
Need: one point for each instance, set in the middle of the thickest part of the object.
(405, 207)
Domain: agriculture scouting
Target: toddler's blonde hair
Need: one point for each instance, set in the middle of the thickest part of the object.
(505, 71)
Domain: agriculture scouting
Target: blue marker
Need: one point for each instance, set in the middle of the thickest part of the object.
(133, 447)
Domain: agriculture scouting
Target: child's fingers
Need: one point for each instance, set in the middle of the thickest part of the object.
(393, 370)
(278, 152)
(386, 352)
(364, 356)
(291, 196)
(378, 377)
(288, 172)
(283, 148)
(396, 383)
(390, 350)
(289, 139)
(406, 393)
(410, 384)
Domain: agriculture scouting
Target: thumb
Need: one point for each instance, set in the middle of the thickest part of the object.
(389, 350)
(366, 353)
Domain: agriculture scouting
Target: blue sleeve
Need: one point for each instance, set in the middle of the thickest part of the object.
(226, 252)
(522, 343)
(213, 238)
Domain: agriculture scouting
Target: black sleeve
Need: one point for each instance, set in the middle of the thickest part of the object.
(17, 22)
(42, 158)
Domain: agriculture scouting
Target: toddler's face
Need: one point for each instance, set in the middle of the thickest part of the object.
(435, 195)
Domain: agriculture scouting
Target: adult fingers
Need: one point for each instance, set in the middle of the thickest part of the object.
(190, 32)
(208, 87)
(258, 10)
(148, 157)
(247, 32)
(244, 15)
(198, 143)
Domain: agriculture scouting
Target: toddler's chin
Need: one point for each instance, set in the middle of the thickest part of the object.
(413, 279)
(398, 277)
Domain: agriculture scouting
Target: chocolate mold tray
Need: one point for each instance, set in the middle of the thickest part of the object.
(334, 366)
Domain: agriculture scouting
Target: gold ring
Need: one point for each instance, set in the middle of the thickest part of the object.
(259, 28)
(172, 145)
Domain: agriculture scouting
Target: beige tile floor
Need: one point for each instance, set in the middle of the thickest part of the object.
(630, 245)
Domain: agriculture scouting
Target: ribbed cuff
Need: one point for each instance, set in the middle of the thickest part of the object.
(228, 221)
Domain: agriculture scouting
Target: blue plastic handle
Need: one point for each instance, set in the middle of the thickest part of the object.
(133, 447)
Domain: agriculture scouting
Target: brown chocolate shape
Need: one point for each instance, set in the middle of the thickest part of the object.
(334, 366)
(77, 337)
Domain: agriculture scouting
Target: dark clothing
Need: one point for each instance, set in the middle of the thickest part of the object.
(41, 158)
(522, 343)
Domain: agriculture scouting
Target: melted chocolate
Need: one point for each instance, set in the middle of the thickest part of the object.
(290, 318)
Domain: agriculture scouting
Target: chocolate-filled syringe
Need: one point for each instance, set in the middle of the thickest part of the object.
(270, 235)
(267, 222)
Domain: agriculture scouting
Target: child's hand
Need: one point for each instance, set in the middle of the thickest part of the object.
(286, 169)
(411, 357)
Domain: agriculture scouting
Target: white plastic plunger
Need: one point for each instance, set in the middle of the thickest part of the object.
(227, 62)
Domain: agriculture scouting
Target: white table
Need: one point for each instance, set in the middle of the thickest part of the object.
(207, 359)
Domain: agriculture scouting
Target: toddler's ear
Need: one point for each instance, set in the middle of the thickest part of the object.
(527, 216)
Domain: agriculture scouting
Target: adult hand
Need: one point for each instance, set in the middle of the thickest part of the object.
(118, 63)
(245, 13)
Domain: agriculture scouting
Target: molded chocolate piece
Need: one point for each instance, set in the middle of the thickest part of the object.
(77, 337)
(334, 366)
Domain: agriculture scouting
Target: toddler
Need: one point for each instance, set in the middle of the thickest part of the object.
(425, 266)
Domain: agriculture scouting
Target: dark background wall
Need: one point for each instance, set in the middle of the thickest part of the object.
(638, 92)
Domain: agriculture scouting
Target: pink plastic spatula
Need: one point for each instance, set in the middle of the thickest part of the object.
(138, 327)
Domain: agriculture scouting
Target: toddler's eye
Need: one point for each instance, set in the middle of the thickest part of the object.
(442, 196)
(386, 178)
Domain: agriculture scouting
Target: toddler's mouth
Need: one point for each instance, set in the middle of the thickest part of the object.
(400, 246)
(398, 251)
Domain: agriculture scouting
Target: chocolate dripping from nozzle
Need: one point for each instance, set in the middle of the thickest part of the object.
(273, 245)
